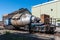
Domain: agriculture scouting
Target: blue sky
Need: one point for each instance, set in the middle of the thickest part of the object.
(8, 6)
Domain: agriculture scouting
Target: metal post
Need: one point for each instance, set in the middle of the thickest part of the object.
(30, 31)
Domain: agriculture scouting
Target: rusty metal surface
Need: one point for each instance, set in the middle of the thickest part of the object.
(23, 20)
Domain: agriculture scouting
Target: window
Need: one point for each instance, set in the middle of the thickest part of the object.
(51, 9)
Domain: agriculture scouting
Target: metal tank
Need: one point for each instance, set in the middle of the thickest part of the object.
(22, 19)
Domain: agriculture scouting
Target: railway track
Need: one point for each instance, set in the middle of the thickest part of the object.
(41, 33)
(38, 32)
(56, 35)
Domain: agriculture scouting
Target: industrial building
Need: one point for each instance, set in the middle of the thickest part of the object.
(51, 8)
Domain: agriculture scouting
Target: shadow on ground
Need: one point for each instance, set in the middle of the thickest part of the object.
(19, 36)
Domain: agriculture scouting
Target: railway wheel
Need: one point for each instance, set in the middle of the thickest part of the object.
(17, 28)
(51, 31)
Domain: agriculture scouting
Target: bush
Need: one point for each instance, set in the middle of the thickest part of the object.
(7, 32)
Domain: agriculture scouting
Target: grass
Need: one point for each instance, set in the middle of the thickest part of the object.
(7, 33)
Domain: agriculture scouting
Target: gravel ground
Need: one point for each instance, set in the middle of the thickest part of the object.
(18, 35)
(57, 29)
(22, 35)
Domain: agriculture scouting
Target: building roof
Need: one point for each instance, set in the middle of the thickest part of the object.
(46, 3)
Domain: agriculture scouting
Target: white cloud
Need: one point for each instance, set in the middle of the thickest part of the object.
(56, 0)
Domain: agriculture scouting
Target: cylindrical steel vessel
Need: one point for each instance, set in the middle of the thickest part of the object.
(22, 19)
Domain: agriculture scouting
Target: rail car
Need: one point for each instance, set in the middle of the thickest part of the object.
(25, 20)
